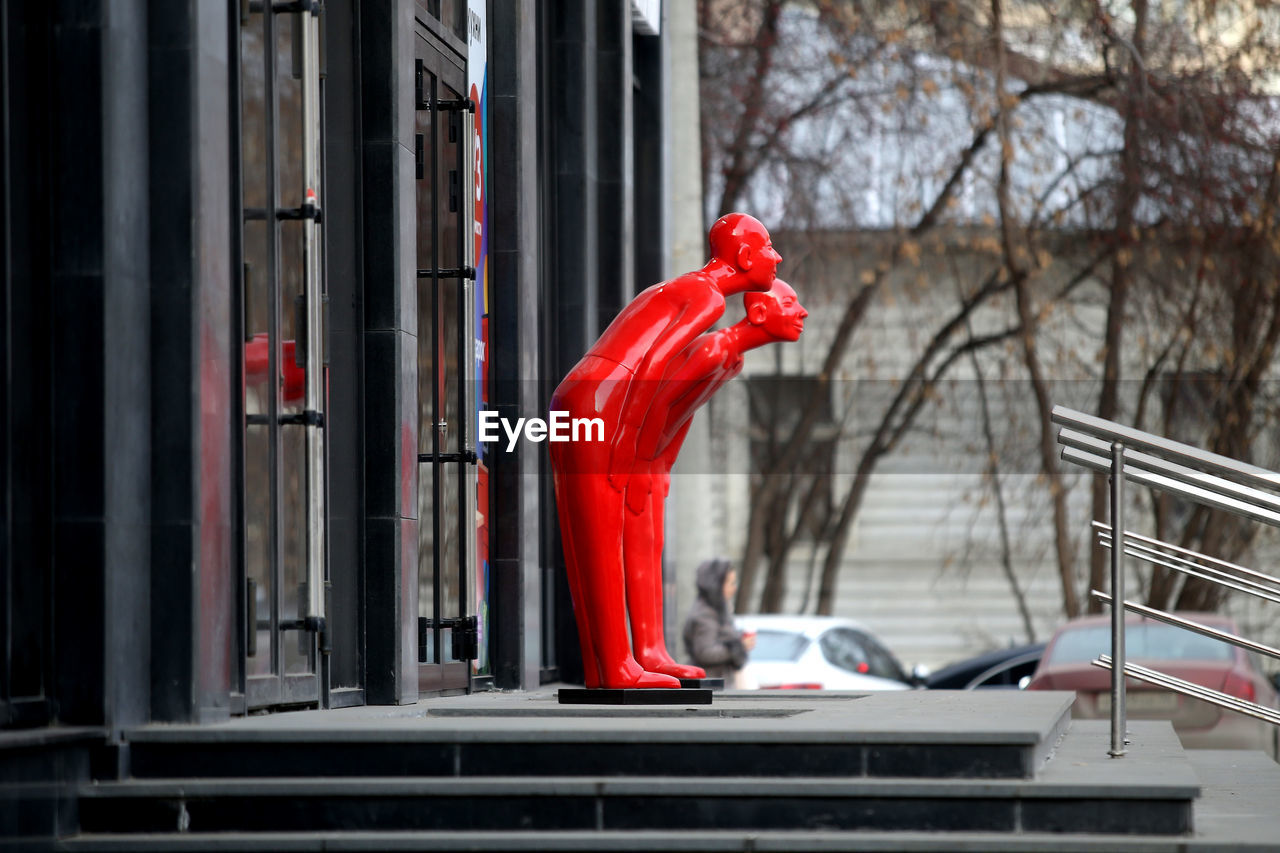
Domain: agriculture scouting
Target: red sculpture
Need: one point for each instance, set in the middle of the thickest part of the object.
(256, 366)
(692, 377)
(617, 381)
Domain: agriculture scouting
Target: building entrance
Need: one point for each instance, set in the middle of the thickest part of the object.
(443, 139)
(282, 470)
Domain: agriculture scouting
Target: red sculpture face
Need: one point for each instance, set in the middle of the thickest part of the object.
(743, 241)
(779, 312)
(760, 264)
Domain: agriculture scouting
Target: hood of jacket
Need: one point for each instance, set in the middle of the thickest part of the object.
(710, 581)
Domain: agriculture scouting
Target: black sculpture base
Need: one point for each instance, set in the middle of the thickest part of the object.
(633, 696)
(702, 683)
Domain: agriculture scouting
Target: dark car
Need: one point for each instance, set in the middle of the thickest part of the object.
(1008, 668)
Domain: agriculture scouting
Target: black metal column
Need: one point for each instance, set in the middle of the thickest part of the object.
(76, 442)
(615, 226)
(342, 182)
(573, 288)
(648, 180)
(192, 432)
(26, 570)
(77, 349)
(390, 351)
(515, 264)
(126, 363)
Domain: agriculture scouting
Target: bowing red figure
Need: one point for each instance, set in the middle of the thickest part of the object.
(692, 377)
(616, 381)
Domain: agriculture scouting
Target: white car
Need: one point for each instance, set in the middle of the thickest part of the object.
(818, 653)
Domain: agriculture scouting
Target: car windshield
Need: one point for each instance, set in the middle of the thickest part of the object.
(1143, 641)
(778, 645)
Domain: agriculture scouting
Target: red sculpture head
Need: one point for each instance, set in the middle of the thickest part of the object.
(743, 243)
(778, 312)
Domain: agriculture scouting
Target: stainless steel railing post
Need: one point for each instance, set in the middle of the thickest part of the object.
(1118, 720)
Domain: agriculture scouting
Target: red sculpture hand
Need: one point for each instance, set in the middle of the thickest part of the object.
(639, 487)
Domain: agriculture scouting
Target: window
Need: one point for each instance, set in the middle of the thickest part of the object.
(883, 663)
(1142, 642)
(778, 646)
(856, 652)
(842, 648)
(451, 15)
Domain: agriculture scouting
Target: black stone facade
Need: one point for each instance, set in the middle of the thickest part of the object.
(122, 573)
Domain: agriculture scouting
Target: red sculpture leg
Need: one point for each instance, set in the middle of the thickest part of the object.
(600, 599)
(642, 555)
(590, 668)
(591, 511)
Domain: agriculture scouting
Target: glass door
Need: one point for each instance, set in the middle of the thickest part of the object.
(447, 632)
(282, 466)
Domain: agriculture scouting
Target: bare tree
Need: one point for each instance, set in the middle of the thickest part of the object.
(1181, 210)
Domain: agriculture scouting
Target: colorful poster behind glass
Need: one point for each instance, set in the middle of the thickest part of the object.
(477, 81)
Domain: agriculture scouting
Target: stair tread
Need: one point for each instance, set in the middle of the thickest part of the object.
(782, 841)
(906, 717)
(1079, 765)
(654, 786)
(1155, 756)
(748, 733)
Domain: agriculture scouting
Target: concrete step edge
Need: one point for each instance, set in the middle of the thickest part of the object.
(651, 786)
(646, 840)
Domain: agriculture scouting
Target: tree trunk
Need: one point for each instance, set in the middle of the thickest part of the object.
(1027, 320)
(1002, 519)
(1131, 176)
(737, 170)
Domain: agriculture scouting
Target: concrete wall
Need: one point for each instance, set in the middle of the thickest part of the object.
(924, 565)
(694, 495)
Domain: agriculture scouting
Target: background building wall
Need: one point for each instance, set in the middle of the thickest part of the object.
(696, 494)
(925, 566)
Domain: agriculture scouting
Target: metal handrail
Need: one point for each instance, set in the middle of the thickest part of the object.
(1203, 459)
(1145, 461)
(1195, 691)
(1187, 567)
(1233, 570)
(1144, 477)
(1199, 476)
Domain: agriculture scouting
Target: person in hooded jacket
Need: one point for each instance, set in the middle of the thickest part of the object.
(710, 637)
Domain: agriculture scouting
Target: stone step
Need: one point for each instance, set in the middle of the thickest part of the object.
(1068, 794)
(750, 734)
(655, 841)
(39, 771)
(1080, 789)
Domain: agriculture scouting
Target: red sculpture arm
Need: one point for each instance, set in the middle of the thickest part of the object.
(702, 369)
(683, 409)
(695, 312)
(667, 455)
(706, 364)
(689, 383)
